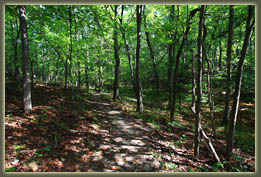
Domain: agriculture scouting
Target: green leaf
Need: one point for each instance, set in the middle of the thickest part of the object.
(10, 169)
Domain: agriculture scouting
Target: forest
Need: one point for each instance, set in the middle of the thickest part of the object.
(129, 88)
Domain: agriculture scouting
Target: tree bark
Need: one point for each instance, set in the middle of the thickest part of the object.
(27, 101)
(199, 79)
(116, 57)
(229, 55)
(234, 111)
(138, 79)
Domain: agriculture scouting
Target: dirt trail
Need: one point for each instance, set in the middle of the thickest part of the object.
(128, 148)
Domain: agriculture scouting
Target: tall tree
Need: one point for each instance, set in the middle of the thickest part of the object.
(127, 47)
(199, 80)
(15, 44)
(138, 79)
(234, 111)
(229, 55)
(171, 53)
(175, 74)
(27, 100)
(116, 57)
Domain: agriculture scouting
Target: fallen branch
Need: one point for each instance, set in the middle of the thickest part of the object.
(210, 146)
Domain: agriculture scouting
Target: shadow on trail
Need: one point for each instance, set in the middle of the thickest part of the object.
(94, 135)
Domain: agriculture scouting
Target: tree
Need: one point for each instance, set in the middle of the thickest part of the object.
(238, 81)
(127, 48)
(171, 53)
(175, 74)
(116, 57)
(199, 80)
(229, 55)
(27, 101)
(138, 79)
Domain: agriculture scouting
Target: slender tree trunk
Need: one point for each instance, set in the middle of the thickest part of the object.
(70, 54)
(32, 74)
(220, 55)
(77, 52)
(127, 49)
(171, 53)
(27, 101)
(16, 52)
(66, 72)
(86, 75)
(42, 57)
(175, 76)
(79, 75)
(234, 111)
(152, 56)
(99, 77)
(193, 103)
(199, 79)
(13, 42)
(116, 57)
(138, 79)
(229, 55)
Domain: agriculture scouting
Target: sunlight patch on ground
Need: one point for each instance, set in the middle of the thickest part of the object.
(137, 142)
(114, 112)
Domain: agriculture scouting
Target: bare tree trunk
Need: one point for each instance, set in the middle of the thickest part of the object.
(70, 54)
(199, 78)
(152, 56)
(27, 101)
(220, 55)
(79, 75)
(175, 76)
(86, 75)
(15, 50)
(234, 111)
(77, 52)
(171, 53)
(116, 57)
(193, 103)
(127, 49)
(138, 79)
(229, 55)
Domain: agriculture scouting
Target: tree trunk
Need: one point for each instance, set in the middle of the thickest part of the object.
(15, 51)
(152, 56)
(86, 76)
(127, 50)
(138, 79)
(220, 55)
(175, 76)
(229, 55)
(199, 79)
(70, 54)
(77, 52)
(234, 111)
(27, 101)
(79, 75)
(171, 53)
(116, 57)
(193, 103)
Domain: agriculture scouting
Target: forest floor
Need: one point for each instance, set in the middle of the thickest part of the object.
(94, 134)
